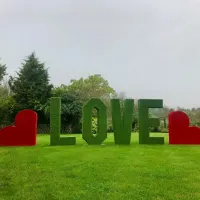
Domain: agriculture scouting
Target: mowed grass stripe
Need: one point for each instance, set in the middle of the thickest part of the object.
(100, 172)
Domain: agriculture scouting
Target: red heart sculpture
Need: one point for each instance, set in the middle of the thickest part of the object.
(179, 130)
(23, 133)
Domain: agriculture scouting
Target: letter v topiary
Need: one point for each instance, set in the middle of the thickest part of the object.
(55, 121)
(122, 124)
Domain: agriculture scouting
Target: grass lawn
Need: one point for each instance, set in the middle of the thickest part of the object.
(106, 172)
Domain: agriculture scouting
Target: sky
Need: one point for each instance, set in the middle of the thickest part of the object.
(145, 48)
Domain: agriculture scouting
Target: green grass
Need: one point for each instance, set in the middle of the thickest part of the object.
(105, 172)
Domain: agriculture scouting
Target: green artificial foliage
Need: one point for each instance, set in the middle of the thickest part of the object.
(145, 122)
(55, 119)
(122, 124)
(101, 134)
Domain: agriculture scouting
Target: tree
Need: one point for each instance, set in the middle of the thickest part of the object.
(4, 90)
(93, 86)
(2, 71)
(7, 110)
(4, 87)
(31, 88)
(77, 93)
(7, 103)
(71, 108)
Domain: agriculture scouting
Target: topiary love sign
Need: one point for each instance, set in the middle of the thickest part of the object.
(122, 124)
(24, 132)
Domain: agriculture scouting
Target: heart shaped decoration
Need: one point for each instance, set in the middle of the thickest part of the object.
(179, 130)
(24, 131)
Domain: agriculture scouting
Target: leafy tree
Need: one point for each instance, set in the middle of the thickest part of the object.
(77, 93)
(31, 88)
(7, 103)
(93, 86)
(4, 87)
(161, 112)
(193, 114)
(4, 90)
(2, 71)
(71, 108)
(135, 124)
(7, 110)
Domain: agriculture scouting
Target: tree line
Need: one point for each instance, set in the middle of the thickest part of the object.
(31, 88)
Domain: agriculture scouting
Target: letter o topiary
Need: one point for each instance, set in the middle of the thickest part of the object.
(101, 134)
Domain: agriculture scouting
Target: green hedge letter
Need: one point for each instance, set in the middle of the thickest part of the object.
(87, 121)
(55, 119)
(122, 125)
(145, 122)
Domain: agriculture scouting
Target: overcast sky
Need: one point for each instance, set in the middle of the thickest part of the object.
(146, 48)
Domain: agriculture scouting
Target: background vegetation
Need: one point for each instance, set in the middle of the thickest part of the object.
(31, 88)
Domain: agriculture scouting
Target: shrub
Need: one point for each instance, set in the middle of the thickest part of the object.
(94, 125)
(110, 126)
(7, 111)
(164, 130)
